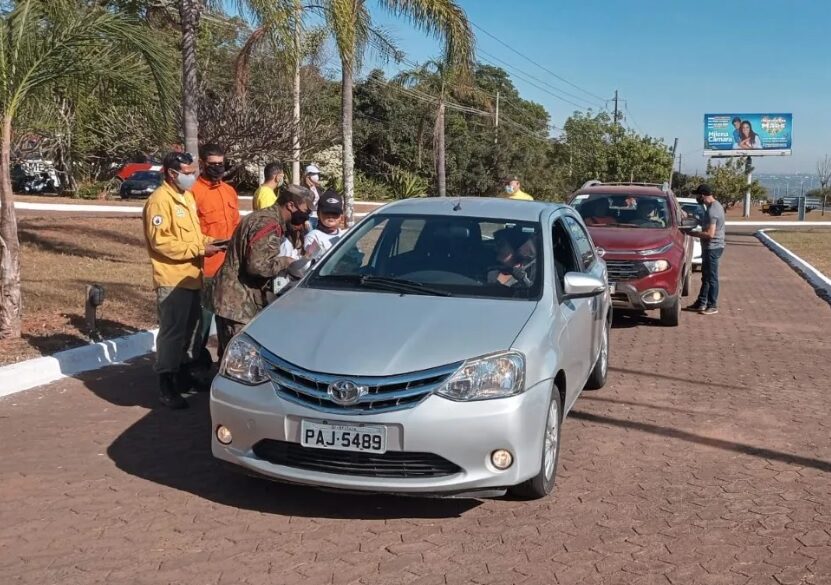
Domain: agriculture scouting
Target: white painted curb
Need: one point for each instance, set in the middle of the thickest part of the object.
(820, 282)
(132, 209)
(44, 370)
(36, 372)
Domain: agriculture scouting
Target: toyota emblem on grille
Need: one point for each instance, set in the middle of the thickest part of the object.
(346, 392)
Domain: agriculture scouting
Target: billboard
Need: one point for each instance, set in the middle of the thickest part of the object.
(747, 134)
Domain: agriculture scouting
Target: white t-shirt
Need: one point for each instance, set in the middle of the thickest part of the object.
(287, 249)
(316, 193)
(317, 243)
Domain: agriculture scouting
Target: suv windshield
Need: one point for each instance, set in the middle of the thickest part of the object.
(437, 255)
(146, 176)
(629, 211)
(695, 210)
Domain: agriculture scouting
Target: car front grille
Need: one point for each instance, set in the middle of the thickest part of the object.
(392, 464)
(384, 393)
(620, 270)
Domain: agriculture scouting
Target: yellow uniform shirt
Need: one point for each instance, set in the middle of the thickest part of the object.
(264, 197)
(174, 239)
(522, 195)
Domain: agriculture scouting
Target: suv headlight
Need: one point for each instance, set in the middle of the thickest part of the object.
(656, 265)
(242, 362)
(492, 376)
(653, 251)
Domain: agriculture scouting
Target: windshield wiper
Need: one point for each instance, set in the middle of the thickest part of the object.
(386, 283)
(401, 285)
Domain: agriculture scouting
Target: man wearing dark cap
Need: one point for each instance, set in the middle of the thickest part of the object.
(712, 248)
(513, 189)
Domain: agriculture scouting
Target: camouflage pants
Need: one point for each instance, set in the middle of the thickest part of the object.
(180, 324)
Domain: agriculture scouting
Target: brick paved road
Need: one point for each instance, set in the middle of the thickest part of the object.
(663, 479)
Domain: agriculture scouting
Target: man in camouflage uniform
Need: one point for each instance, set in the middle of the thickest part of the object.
(243, 286)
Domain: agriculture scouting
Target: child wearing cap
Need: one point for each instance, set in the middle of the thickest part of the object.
(328, 230)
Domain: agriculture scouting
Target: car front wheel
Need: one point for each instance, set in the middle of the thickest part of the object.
(542, 484)
(597, 379)
(671, 315)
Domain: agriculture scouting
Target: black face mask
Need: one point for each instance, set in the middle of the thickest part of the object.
(299, 217)
(214, 172)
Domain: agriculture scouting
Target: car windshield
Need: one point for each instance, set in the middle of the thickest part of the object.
(146, 176)
(695, 210)
(622, 210)
(437, 255)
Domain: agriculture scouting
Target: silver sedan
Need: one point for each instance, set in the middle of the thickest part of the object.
(435, 349)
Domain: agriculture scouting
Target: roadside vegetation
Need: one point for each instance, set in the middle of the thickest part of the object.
(813, 246)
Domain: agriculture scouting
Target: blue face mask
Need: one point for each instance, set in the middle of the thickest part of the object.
(509, 189)
(185, 181)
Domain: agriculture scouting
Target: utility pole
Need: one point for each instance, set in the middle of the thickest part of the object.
(616, 109)
(679, 163)
(748, 169)
(496, 138)
(672, 164)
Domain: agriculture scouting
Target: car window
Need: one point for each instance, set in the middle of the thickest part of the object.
(462, 256)
(623, 210)
(582, 244)
(695, 210)
(146, 176)
(565, 259)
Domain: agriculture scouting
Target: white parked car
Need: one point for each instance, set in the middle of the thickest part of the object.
(693, 208)
(435, 349)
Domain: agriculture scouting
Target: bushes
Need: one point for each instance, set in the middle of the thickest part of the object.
(93, 190)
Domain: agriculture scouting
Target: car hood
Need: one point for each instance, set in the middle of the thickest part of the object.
(614, 239)
(363, 333)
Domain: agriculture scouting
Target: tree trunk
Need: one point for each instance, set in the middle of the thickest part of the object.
(295, 133)
(348, 154)
(440, 152)
(189, 15)
(10, 303)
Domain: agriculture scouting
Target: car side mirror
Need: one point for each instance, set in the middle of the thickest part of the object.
(582, 286)
(688, 224)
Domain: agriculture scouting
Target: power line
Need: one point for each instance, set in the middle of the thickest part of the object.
(541, 88)
(542, 81)
(563, 79)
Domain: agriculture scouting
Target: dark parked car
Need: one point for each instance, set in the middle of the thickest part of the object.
(141, 184)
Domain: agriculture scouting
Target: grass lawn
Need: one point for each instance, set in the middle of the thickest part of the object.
(813, 246)
(60, 256)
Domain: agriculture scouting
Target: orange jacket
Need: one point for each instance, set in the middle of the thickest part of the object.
(218, 209)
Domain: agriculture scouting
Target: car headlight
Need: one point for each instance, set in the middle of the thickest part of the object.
(493, 376)
(656, 265)
(661, 250)
(242, 362)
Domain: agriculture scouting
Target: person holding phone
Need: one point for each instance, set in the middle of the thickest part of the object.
(177, 249)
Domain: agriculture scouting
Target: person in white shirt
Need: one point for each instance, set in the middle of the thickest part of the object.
(311, 179)
(328, 230)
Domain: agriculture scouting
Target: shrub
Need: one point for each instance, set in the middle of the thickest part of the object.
(404, 184)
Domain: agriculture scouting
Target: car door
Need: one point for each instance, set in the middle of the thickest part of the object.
(576, 313)
(589, 264)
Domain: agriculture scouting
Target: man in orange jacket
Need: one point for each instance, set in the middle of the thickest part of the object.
(218, 207)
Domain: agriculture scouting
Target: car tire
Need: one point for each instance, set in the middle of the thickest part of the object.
(685, 288)
(542, 484)
(597, 379)
(671, 316)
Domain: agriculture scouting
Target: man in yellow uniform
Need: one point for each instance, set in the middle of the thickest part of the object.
(513, 189)
(266, 195)
(176, 247)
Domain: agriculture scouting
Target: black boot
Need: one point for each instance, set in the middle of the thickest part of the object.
(187, 380)
(169, 392)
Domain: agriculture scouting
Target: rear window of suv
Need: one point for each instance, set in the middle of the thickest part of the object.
(622, 210)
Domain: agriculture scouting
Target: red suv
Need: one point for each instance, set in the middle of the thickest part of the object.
(639, 231)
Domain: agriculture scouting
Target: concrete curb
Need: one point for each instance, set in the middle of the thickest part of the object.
(36, 372)
(820, 282)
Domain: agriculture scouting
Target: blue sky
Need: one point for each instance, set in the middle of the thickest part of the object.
(671, 60)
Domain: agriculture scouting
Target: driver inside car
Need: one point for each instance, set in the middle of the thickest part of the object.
(649, 211)
(516, 257)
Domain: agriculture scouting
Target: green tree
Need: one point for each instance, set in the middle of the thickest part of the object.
(43, 45)
(729, 181)
(351, 26)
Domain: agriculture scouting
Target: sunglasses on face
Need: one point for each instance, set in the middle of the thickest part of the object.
(184, 158)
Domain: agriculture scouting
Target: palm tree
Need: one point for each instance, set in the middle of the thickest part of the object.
(351, 25)
(437, 80)
(43, 44)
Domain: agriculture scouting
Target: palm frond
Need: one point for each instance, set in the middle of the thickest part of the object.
(444, 20)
